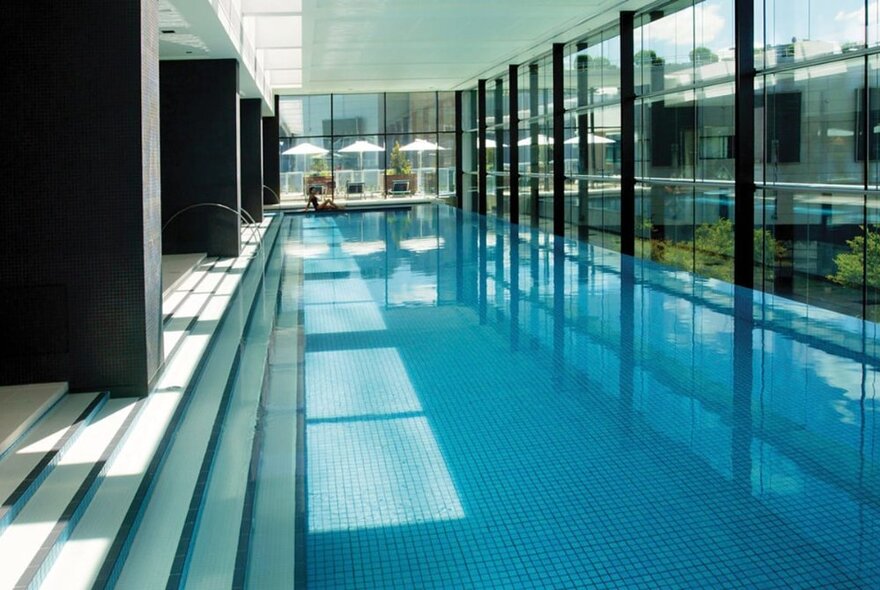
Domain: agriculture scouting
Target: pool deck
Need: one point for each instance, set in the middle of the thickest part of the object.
(297, 204)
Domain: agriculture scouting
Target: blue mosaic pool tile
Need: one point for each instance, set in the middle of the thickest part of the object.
(460, 435)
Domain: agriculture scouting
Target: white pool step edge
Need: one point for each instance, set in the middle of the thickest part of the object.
(27, 545)
(153, 549)
(274, 539)
(186, 286)
(24, 405)
(80, 561)
(33, 457)
(212, 545)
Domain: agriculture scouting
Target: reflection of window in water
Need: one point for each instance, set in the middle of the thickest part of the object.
(718, 147)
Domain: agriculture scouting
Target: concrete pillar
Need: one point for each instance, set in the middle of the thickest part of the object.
(251, 132)
(80, 276)
(271, 157)
(200, 156)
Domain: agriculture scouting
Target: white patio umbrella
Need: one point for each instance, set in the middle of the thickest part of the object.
(421, 145)
(305, 149)
(591, 139)
(359, 147)
(491, 143)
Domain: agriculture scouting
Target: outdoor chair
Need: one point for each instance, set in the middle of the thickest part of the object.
(399, 187)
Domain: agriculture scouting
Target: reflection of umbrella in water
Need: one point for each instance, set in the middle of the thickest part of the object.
(421, 145)
(591, 139)
(490, 143)
(542, 140)
(359, 147)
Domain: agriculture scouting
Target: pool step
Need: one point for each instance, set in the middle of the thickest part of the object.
(209, 542)
(96, 548)
(173, 298)
(22, 406)
(30, 542)
(194, 294)
(33, 456)
(184, 497)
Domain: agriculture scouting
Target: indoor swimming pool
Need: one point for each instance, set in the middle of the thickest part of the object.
(486, 406)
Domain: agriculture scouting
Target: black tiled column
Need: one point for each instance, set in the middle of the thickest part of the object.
(271, 158)
(251, 131)
(80, 280)
(200, 156)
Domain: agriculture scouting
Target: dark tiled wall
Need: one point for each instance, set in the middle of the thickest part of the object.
(79, 191)
(200, 156)
(271, 162)
(252, 157)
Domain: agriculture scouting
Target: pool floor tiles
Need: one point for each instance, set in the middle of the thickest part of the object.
(523, 494)
(450, 446)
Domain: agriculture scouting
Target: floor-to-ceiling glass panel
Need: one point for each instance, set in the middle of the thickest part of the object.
(800, 30)
(642, 221)
(667, 137)
(358, 114)
(545, 86)
(301, 116)
(360, 160)
(811, 124)
(713, 233)
(870, 124)
(712, 55)
(446, 164)
(871, 258)
(818, 242)
(446, 111)
(715, 131)
(664, 47)
(305, 161)
(412, 164)
(603, 210)
(671, 229)
(598, 136)
(410, 112)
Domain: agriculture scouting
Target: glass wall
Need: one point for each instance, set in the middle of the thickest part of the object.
(356, 146)
(469, 148)
(592, 139)
(535, 145)
(816, 123)
(817, 153)
(684, 119)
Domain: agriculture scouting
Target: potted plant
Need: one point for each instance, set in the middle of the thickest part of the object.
(319, 173)
(401, 169)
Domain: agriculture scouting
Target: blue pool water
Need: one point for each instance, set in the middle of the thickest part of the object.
(489, 407)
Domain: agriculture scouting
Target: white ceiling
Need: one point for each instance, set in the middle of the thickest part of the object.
(320, 46)
(375, 45)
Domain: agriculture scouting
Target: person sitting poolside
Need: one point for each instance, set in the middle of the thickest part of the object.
(326, 204)
(312, 198)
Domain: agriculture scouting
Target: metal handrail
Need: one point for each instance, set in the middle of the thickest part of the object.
(273, 192)
(240, 213)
